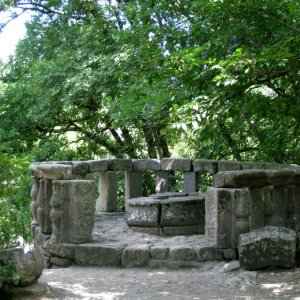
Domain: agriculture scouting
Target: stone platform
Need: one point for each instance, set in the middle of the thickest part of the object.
(115, 244)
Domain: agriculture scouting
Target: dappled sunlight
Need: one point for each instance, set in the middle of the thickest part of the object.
(83, 292)
(280, 288)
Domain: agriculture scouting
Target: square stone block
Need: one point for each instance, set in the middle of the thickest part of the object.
(145, 164)
(176, 164)
(98, 165)
(120, 165)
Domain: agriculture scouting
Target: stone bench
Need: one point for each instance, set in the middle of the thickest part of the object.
(167, 214)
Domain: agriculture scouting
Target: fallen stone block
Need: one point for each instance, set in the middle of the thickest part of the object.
(267, 246)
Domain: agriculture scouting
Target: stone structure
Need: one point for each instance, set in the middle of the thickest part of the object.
(167, 214)
(244, 196)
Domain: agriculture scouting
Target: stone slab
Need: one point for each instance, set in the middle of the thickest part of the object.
(182, 253)
(159, 252)
(243, 178)
(280, 177)
(225, 165)
(183, 230)
(176, 164)
(267, 246)
(205, 165)
(120, 165)
(98, 165)
(80, 168)
(145, 164)
(135, 256)
(52, 171)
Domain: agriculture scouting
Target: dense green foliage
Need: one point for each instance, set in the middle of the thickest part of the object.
(193, 78)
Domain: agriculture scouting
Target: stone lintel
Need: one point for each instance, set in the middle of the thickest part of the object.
(242, 178)
(100, 165)
(205, 165)
(80, 168)
(226, 165)
(176, 164)
(52, 171)
(280, 177)
(120, 164)
(145, 164)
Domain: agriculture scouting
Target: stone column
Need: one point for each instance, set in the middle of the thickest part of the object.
(33, 195)
(108, 191)
(43, 203)
(161, 181)
(133, 186)
(218, 214)
(73, 210)
(280, 196)
(190, 182)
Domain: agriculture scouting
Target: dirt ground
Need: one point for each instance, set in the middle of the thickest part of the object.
(213, 280)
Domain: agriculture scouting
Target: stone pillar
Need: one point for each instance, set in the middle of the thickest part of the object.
(43, 203)
(161, 181)
(73, 210)
(33, 195)
(190, 182)
(218, 214)
(259, 197)
(108, 191)
(241, 212)
(280, 196)
(133, 186)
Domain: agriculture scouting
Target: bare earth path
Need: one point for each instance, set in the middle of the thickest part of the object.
(213, 280)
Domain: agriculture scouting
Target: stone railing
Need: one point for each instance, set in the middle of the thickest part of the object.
(63, 194)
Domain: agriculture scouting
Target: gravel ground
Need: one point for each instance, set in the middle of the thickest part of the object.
(213, 280)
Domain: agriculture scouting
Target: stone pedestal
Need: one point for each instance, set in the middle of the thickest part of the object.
(73, 210)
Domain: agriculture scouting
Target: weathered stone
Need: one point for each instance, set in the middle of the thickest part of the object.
(120, 165)
(159, 252)
(252, 166)
(242, 203)
(80, 168)
(231, 266)
(280, 199)
(97, 255)
(218, 213)
(182, 253)
(52, 171)
(28, 266)
(148, 230)
(163, 196)
(230, 254)
(60, 250)
(257, 216)
(183, 230)
(267, 246)
(100, 165)
(190, 184)
(145, 164)
(60, 262)
(280, 177)
(207, 253)
(225, 165)
(133, 186)
(134, 256)
(143, 212)
(176, 164)
(161, 181)
(107, 201)
(204, 165)
(73, 221)
(244, 178)
(182, 211)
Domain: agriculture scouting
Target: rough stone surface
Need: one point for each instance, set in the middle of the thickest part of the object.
(176, 164)
(29, 266)
(120, 165)
(133, 186)
(182, 253)
(108, 187)
(98, 255)
(182, 230)
(190, 182)
(243, 178)
(280, 177)
(135, 256)
(98, 165)
(207, 253)
(230, 254)
(159, 252)
(80, 168)
(205, 165)
(224, 165)
(267, 246)
(182, 211)
(161, 181)
(145, 164)
(143, 212)
(52, 171)
(60, 262)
